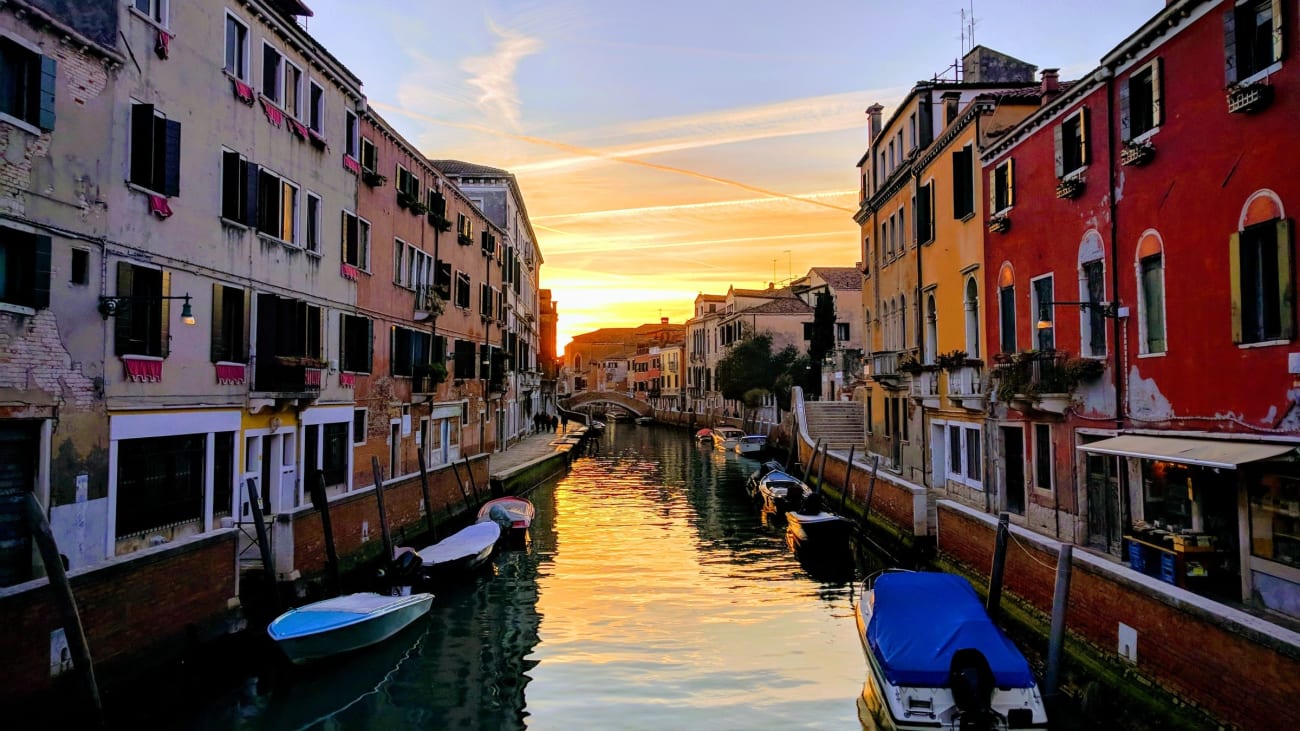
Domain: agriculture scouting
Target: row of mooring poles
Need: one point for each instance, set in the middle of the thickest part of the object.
(1060, 602)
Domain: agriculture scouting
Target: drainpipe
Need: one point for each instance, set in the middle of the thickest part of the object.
(1118, 375)
(920, 322)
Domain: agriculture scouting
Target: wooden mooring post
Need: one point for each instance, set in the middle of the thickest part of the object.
(383, 517)
(826, 453)
(263, 542)
(322, 503)
(871, 490)
(999, 562)
(1056, 640)
(848, 478)
(424, 490)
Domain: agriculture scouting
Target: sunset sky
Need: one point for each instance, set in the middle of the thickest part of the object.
(670, 148)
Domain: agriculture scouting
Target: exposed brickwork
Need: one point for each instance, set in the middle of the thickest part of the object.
(33, 357)
(1183, 650)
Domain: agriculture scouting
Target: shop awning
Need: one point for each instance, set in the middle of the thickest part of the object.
(1204, 452)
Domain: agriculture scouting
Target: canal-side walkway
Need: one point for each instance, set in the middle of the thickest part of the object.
(534, 451)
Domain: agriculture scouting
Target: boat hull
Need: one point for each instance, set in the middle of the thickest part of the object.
(823, 530)
(367, 630)
(460, 553)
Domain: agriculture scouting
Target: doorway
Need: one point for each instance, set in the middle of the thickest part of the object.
(1104, 519)
(19, 446)
(1013, 468)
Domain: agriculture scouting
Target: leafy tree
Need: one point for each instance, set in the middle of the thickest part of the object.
(823, 338)
(746, 366)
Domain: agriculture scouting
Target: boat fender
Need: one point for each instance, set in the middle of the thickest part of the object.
(971, 681)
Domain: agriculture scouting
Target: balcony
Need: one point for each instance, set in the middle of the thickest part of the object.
(287, 377)
(1042, 380)
(925, 389)
(966, 387)
(884, 368)
(1249, 98)
(428, 303)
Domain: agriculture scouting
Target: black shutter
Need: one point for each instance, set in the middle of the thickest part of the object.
(1125, 126)
(142, 144)
(41, 280)
(171, 180)
(247, 333)
(122, 320)
(220, 348)
(343, 342)
(49, 76)
(370, 345)
(252, 174)
(165, 317)
(265, 365)
(1230, 45)
(230, 180)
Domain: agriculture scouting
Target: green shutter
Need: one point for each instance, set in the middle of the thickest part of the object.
(1234, 283)
(1285, 279)
(122, 320)
(49, 76)
(41, 280)
(220, 349)
(171, 182)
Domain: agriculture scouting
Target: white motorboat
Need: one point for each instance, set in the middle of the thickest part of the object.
(937, 661)
(726, 437)
(461, 552)
(782, 491)
(344, 623)
(751, 445)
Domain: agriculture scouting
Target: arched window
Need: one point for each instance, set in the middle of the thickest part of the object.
(1151, 284)
(972, 305)
(1262, 271)
(867, 345)
(1092, 288)
(1007, 308)
(931, 329)
(902, 321)
(891, 327)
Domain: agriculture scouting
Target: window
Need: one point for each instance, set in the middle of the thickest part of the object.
(1252, 38)
(358, 426)
(334, 453)
(1043, 456)
(1262, 283)
(466, 359)
(408, 184)
(1007, 318)
(315, 108)
(80, 270)
(1093, 337)
(236, 48)
(24, 269)
(462, 290)
(239, 186)
(369, 156)
(160, 482)
(972, 306)
(437, 204)
(488, 242)
(974, 461)
(955, 451)
(229, 324)
(842, 331)
(442, 279)
(485, 300)
(1002, 186)
(293, 90)
(141, 327)
(464, 229)
(351, 134)
(311, 239)
(277, 207)
(924, 210)
(27, 82)
(272, 82)
(409, 349)
(1140, 110)
(963, 182)
(356, 241)
(155, 10)
(1042, 305)
(1071, 143)
(155, 150)
(356, 343)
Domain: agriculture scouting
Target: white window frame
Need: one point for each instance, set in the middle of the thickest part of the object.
(455, 293)
(399, 262)
(278, 98)
(287, 68)
(159, 11)
(1051, 460)
(245, 48)
(1005, 168)
(363, 241)
(297, 209)
(352, 133)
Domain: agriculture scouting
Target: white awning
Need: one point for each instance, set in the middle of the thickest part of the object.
(1204, 452)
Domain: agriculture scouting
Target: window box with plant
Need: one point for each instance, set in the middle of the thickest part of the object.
(1136, 153)
(999, 223)
(1071, 187)
(373, 179)
(1249, 98)
(908, 363)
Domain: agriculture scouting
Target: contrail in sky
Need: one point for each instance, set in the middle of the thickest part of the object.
(607, 156)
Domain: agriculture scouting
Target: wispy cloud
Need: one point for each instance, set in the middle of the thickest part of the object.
(494, 74)
(642, 210)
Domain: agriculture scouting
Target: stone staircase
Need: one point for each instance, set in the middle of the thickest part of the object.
(838, 424)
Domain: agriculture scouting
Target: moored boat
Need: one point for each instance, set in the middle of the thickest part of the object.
(704, 435)
(344, 623)
(937, 661)
(726, 437)
(782, 491)
(810, 528)
(751, 445)
(461, 552)
(514, 514)
(643, 420)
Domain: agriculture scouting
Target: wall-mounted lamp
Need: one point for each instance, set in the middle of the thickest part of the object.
(110, 306)
(1107, 309)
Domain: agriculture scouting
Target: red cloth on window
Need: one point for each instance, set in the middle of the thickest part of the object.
(298, 128)
(347, 380)
(158, 206)
(351, 164)
(273, 113)
(349, 272)
(142, 370)
(230, 373)
(311, 377)
(243, 91)
(160, 45)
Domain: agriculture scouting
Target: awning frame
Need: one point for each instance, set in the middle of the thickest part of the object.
(1217, 453)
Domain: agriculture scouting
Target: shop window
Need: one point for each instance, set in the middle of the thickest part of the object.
(159, 483)
(1275, 519)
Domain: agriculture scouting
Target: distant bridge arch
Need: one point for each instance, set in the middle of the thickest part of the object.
(586, 398)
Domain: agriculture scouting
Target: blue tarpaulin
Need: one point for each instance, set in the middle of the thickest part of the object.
(918, 620)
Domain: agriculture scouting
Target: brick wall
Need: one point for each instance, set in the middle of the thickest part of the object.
(1237, 675)
(149, 606)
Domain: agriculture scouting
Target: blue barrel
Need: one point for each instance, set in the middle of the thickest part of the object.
(1169, 568)
(1137, 558)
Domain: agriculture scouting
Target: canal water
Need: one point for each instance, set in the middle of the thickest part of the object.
(654, 594)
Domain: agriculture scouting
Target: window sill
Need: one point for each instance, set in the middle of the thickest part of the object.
(141, 189)
(132, 10)
(1144, 136)
(313, 252)
(232, 223)
(277, 240)
(17, 309)
(1153, 355)
(24, 125)
(1263, 344)
(1262, 74)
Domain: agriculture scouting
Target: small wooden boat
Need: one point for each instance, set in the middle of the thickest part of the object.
(643, 420)
(597, 425)
(513, 514)
(937, 661)
(344, 623)
(809, 528)
(704, 435)
(782, 491)
(726, 437)
(460, 552)
(751, 485)
(751, 445)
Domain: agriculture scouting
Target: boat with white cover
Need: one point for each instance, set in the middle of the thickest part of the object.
(344, 623)
(751, 445)
(462, 551)
(937, 661)
(781, 490)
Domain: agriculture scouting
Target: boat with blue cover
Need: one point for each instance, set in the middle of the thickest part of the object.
(344, 623)
(937, 661)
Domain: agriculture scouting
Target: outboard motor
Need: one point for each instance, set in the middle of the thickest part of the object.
(971, 681)
(406, 567)
(501, 517)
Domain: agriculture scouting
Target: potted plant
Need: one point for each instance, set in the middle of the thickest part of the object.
(418, 208)
(1137, 153)
(442, 223)
(909, 364)
(1248, 98)
(1080, 370)
(373, 179)
(1071, 187)
(999, 223)
(405, 200)
(952, 360)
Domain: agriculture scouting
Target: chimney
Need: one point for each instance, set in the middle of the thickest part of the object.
(951, 106)
(663, 321)
(1051, 84)
(873, 116)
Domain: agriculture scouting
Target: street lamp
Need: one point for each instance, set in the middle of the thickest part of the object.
(1106, 309)
(110, 306)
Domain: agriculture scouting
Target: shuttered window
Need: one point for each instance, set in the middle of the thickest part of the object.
(140, 325)
(1071, 139)
(356, 241)
(239, 188)
(1263, 286)
(925, 213)
(155, 150)
(1007, 315)
(230, 325)
(1140, 107)
(27, 83)
(1002, 186)
(1253, 36)
(356, 343)
(1152, 272)
(963, 182)
(24, 269)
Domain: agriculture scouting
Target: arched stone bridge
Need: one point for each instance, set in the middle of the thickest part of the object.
(640, 408)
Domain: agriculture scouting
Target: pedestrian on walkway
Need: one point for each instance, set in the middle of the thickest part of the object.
(564, 423)
(554, 423)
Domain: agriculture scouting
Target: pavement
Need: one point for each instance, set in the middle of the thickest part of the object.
(534, 447)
